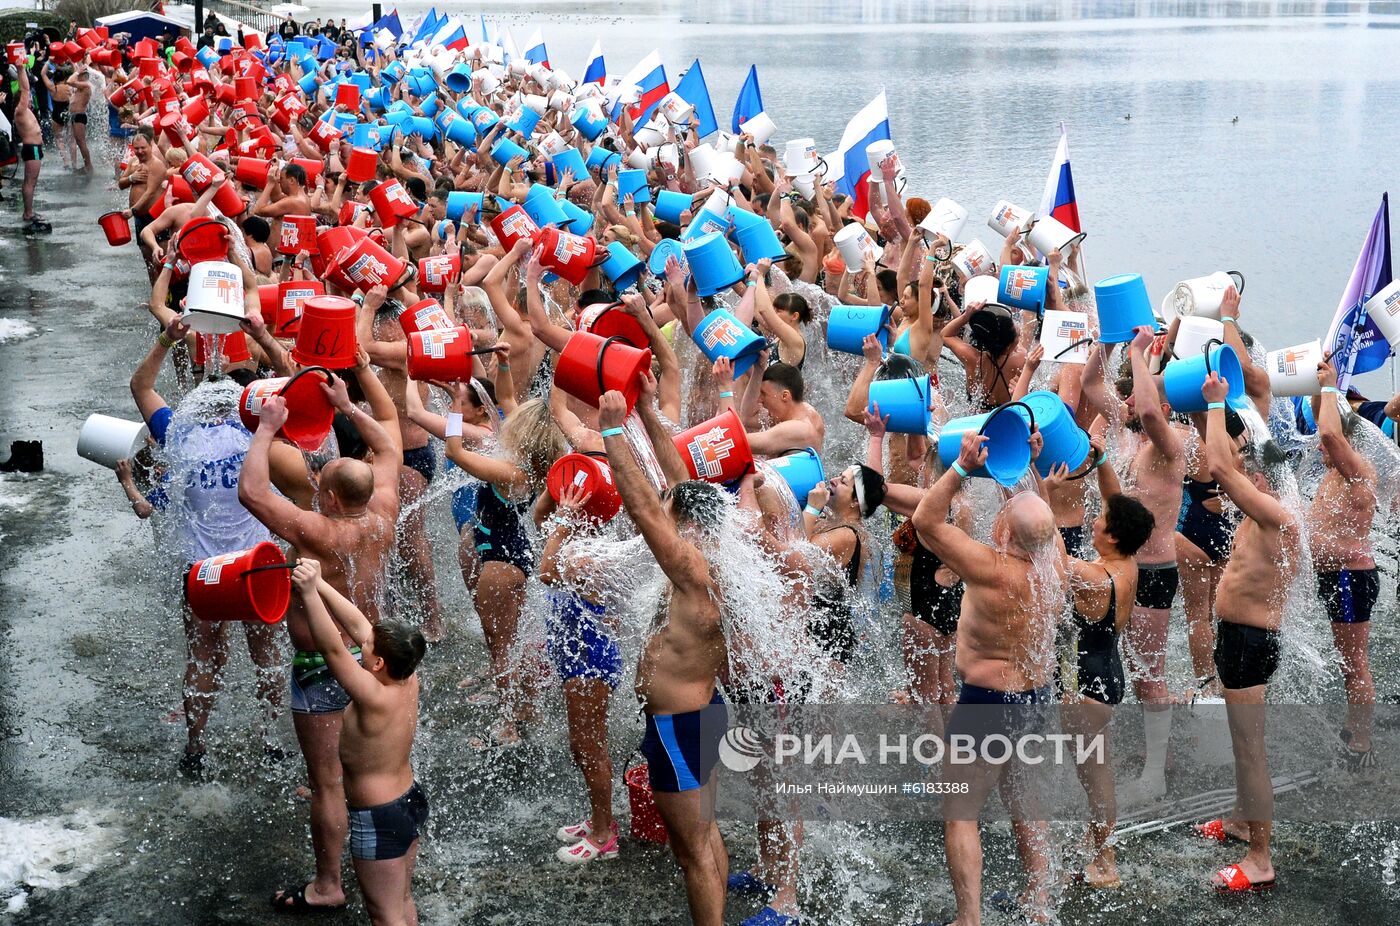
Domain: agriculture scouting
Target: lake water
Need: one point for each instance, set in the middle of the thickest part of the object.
(91, 648)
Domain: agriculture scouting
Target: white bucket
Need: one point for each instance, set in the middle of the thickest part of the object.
(641, 158)
(538, 73)
(651, 134)
(552, 144)
(855, 245)
(877, 151)
(1384, 308)
(728, 169)
(669, 154)
(675, 109)
(805, 184)
(560, 101)
(760, 127)
(1293, 370)
(1202, 295)
(485, 81)
(105, 440)
(214, 303)
(972, 258)
(726, 141)
(946, 218)
(536, 102)
(1194, 333)
(1007, 217)
(1060, 334)
(984, 288)
(1049, 233)
(800, 157)
(590, 92)
(703, 160)
(558, 80)
(519, 68)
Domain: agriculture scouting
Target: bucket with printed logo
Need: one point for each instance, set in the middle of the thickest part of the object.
(720, 334)
(1022, 287)
(251, 585)
(309, 412)
(590, 472)
(426, 315)
(298, 234)
(716, 450)
(392, 203)
(366, 264)
(1293, 370)
(440, 354)
(514, 225)
(291, 300)
(569, 255)
(214, 301)
(438, 272)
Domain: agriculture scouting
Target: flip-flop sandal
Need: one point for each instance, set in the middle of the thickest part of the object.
(1215, 831)
(1233, 880)
(293, 900)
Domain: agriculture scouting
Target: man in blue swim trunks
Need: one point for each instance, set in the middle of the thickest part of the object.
(681, 660)
(1012, 598)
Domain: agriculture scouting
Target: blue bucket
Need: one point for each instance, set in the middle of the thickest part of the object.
(1008, 443)
(459, 79)
(665, 248)
(569, 159)
(905, 402)
(362, 80)
(635, 183)
(670, 204)
(378, 98)
(600, 158)
(755, 236)
(580, 219)
(421, 126)
(459, 200)
(541, 206)
(484, 120)
(622, 267)
(505, 150)
(524, 122)
(720, 334)
(393, 73)
(468, 107)
(1065, 441)
(366, 136)
(1022, 287)
(587, 124)
(704, 223)
(431, 104)
(346, 122)
(420, 82)
(801, 470)
(210, 58)
(713, 265)
(457, 128)
(1182, 379)
(398, 113)
(441, 230)
(308, 82)
(849, 324)
(1123, 306)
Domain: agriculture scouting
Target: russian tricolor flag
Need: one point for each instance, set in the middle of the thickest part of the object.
(1058, 201)
(535, 52)
(849, 166)
(649, 77)
(458, 39)
(595, 72)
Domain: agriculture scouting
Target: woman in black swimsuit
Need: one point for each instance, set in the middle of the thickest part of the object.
(1103, 591)
(851, 497)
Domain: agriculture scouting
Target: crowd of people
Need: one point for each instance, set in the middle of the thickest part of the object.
(990, 582)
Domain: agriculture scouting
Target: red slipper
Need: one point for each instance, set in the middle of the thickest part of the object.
(1233, 880)
(1215, 830)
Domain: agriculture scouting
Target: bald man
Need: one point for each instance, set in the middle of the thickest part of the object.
(1013, 594)
(351, 534)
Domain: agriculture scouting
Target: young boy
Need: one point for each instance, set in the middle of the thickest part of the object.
(387, 807)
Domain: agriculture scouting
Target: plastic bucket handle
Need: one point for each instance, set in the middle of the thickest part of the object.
(290, 564)
(1239, 280)
(1001, 408)
(603, 352)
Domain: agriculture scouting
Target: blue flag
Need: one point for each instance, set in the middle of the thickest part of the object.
(432, 22)
(692, 89)
(1353, 338)
(750, 101)
(390, 22)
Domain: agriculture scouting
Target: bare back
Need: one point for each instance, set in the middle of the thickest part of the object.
(376, 740)
(354, 556)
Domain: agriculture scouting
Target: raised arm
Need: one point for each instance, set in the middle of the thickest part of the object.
(1264, 509)
(1147, 401)
(255, 492)
(972, 560)
(1341, 454)
(663, 446)
(143, 380)
(359, 684)
(1256, 380)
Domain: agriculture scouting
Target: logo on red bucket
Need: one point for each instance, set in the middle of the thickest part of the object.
(367, 269)
(437, 270)
(709, 450)
(435, 341)
(213, 567)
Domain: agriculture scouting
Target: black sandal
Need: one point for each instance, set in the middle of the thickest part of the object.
(293, 900)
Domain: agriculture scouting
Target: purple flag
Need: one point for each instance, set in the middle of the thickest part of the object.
(1357, 345)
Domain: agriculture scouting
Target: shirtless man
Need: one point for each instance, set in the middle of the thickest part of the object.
(351, 534)
(685, 715)
(290, 184)
(1154, 477)
(381, 335)
(779, 392)
(144, 181)
(1005, 656)
(1340, 537)
(1249, 607)
(387, 806)
(77, 109)
(31, 152)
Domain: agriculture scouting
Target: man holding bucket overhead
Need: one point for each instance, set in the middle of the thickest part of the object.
(685, 716)
(351, 534)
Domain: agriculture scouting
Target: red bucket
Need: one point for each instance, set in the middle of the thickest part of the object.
(229, 201)
(591, 472)
(225, 95)
(250, 585)
(363, 164)
(613, 321)
(125, 92)
(182, 62)
(291, 302)
(436, 273)
(234, 347)
(327, 334)
(203, 239)
(646, 819)
(252, 171)
(392, 203)
(329, 242)
(267, 301)
(148, 67)
(348, 95)
(569, 255)
(326, 135)
(116, 227)
(200, 173)
(366, 265)
(298, 233)
(180, 191)
(173, 126)
(309, 413)
(196, 110)
(287, 108)
(443, 355)
(716, 450)
(427, 315)
(590, 366)
(313, 168)
(514, 225)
